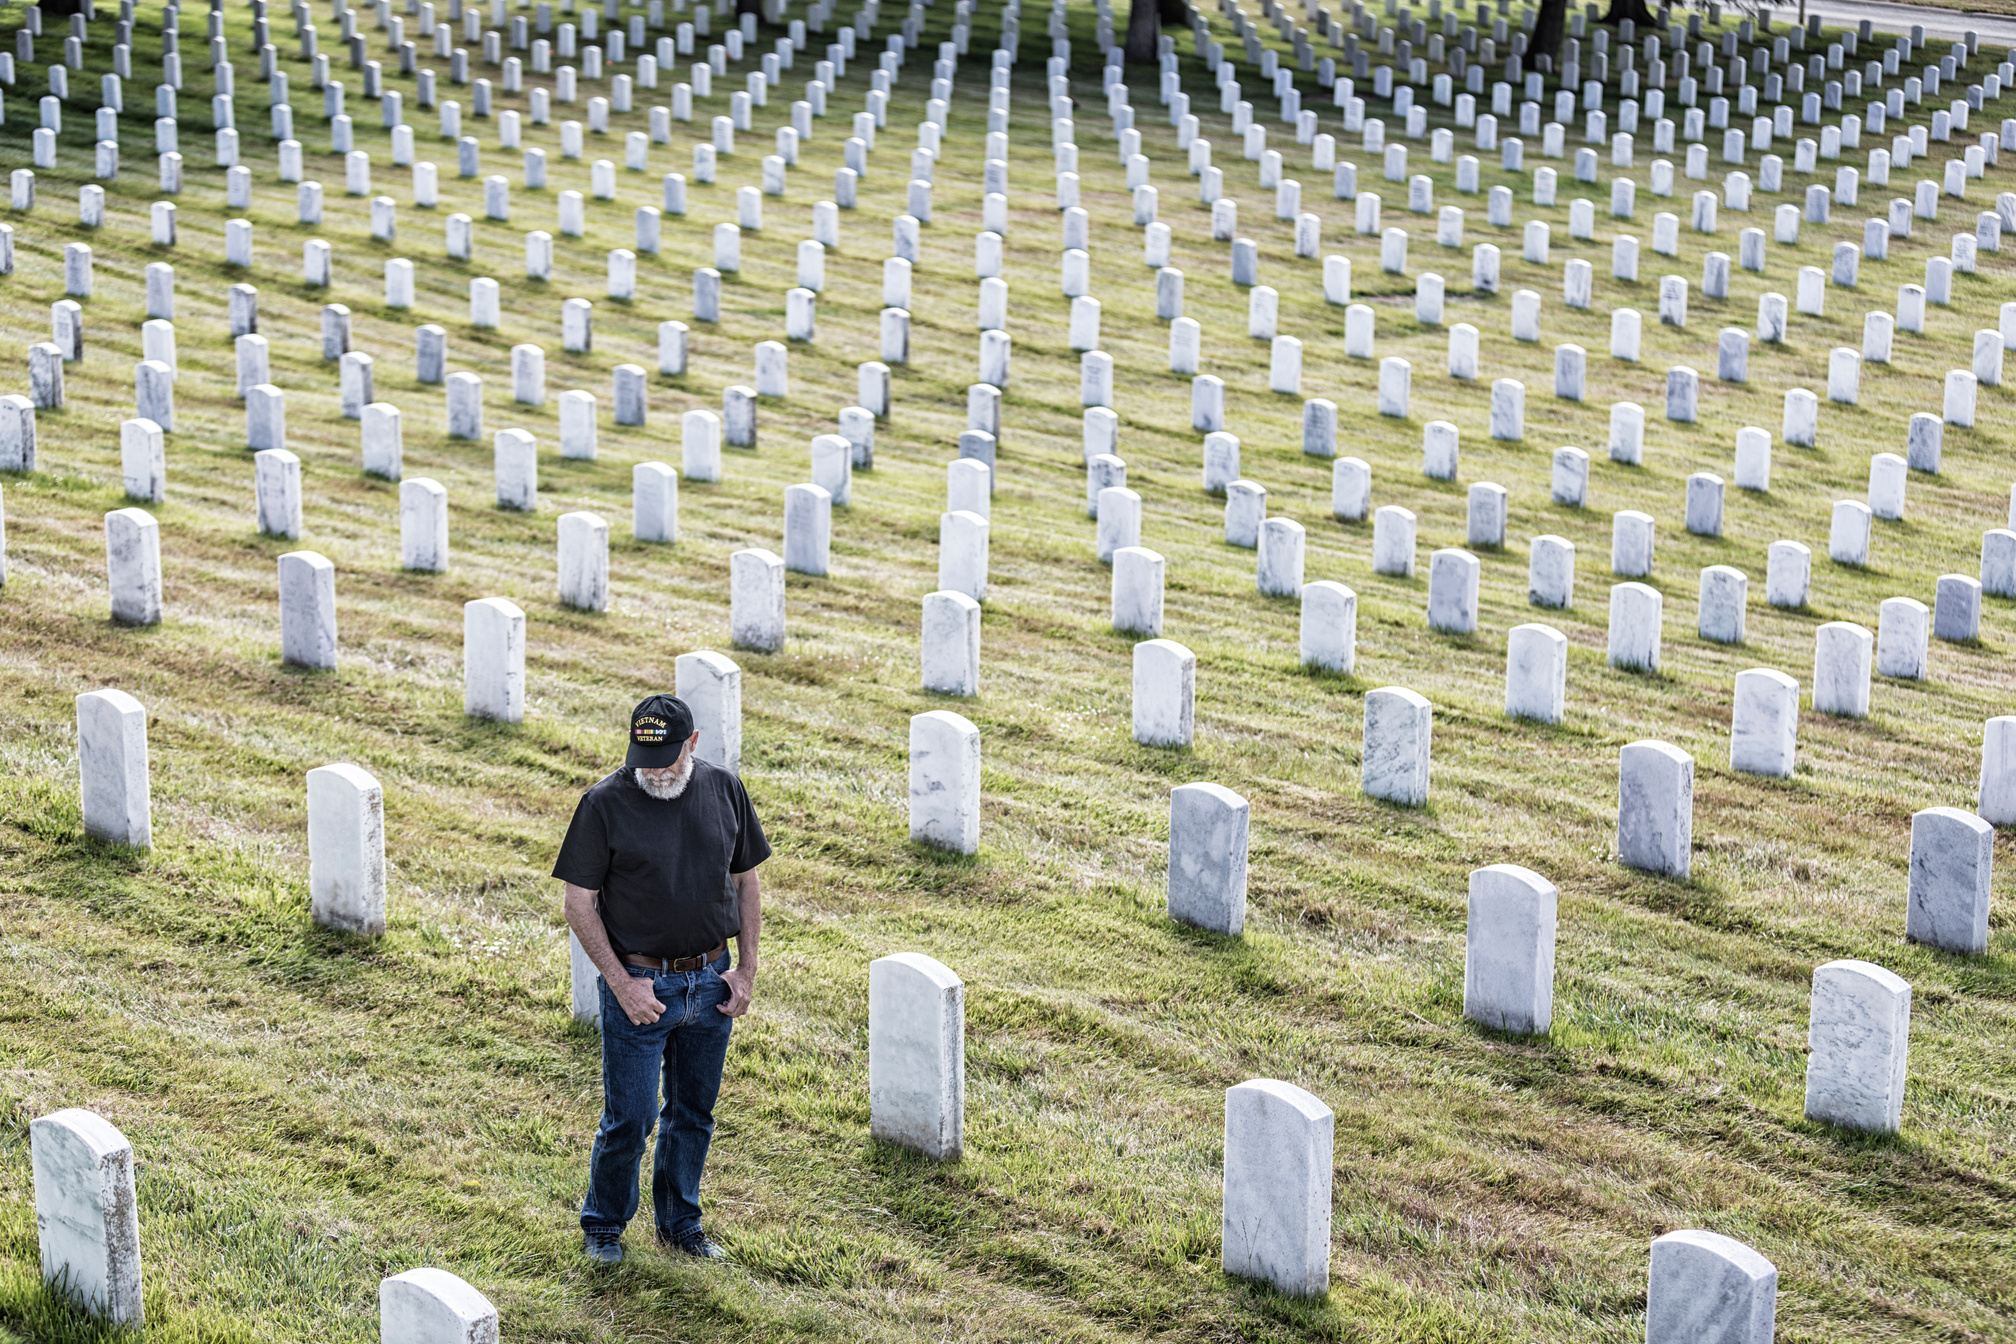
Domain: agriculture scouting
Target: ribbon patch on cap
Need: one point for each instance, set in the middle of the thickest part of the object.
(650, 731)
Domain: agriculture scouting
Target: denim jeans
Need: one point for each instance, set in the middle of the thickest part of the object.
(686, 1047)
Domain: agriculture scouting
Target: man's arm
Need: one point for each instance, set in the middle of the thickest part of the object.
(741, 979)
(638, 1000)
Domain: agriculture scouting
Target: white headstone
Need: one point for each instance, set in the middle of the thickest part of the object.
(1398, 727)
(1208, 827)
(951, 644)
(1842, 658)
(346, 849)
(133, 566)
(1903, 627)
(1393, 541)
(1536, 673)
(432, 1306)
(1858, 1036)
(1764, 723)
(756, 599)
(711, 685)
(808, 529)
(945, 781)
(583, 567)
(1329, 635)
(1137, 591)
(493, 660)
(700, 435)
(1725, 594)
(1952, 867)
(423, 525)
(1655, 808)
(307, 610)
(112, 768)
(1276, 1221)
(1452, 591)
(1709, 1289)
(87, 1218)
(962, 554)
(1635, 617)
(1550, 572)
(1788, 574)
(654, 500)
(1997, 797)
(1508, 963)
(917, 1054)
(1165, 693)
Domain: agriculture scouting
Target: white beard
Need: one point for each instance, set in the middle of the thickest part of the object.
(667, 792)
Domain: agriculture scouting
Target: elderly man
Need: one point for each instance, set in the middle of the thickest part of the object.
(660, 872)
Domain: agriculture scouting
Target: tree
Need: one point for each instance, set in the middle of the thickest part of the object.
(1548, 30)
(1635, 10)
(1143, 27)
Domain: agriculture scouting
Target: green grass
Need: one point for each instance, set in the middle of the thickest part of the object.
(312, 1111)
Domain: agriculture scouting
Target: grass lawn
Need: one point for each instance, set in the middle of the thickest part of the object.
(314, 1111)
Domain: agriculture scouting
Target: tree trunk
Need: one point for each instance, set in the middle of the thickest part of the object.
(1142, 30)
(1635, 10)
(1548, 31)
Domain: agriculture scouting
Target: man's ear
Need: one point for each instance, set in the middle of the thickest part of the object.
(694, 740)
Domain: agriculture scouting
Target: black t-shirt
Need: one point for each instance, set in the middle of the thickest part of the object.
(662, 864)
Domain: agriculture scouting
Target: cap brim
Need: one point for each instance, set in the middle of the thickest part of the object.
(641, 757)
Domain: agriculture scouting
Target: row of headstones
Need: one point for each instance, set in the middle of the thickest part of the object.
(345, 803)
(809, 507)
(1278, 1138)
(87, 1214)
(1952, 850)
(1276, 1202)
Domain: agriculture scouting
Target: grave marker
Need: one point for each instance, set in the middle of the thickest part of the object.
(756, 599)
(493, 660)
(711, 685)
(1276, 1218)
(1137, 591)
(1655, 809)
(917, 1055)
(1858, 1036)
(951, 644)
(423, 525)
(945, 782)
(346, 849)
(1208, 829)
(1764, 723)
(1508, 963)
(113, 769)
(432, 1306)
(307, 610)
(133, 566)
(86, 1215)
(1165, 693)
(1394, 762)
(1952, 867)
(1706, 1288)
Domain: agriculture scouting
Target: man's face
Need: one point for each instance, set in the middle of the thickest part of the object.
(669, 781)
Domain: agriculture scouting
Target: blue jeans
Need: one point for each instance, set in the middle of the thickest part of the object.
(686, 1046)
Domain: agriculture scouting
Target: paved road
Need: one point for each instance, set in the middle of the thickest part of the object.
(1996, 30)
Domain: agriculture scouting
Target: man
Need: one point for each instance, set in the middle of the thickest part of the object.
(660, 872)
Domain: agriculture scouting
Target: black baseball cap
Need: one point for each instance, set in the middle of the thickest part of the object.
(659, 727)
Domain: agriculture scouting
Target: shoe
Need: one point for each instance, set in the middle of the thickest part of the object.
(603, 1247)
(696, 1244)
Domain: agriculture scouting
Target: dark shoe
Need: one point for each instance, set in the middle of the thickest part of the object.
(603, 1247)
(695, 1244)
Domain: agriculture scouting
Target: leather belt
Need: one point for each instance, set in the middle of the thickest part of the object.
(670, 965)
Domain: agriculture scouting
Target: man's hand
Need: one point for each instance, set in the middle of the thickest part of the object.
(741, 982)
(637, 999)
